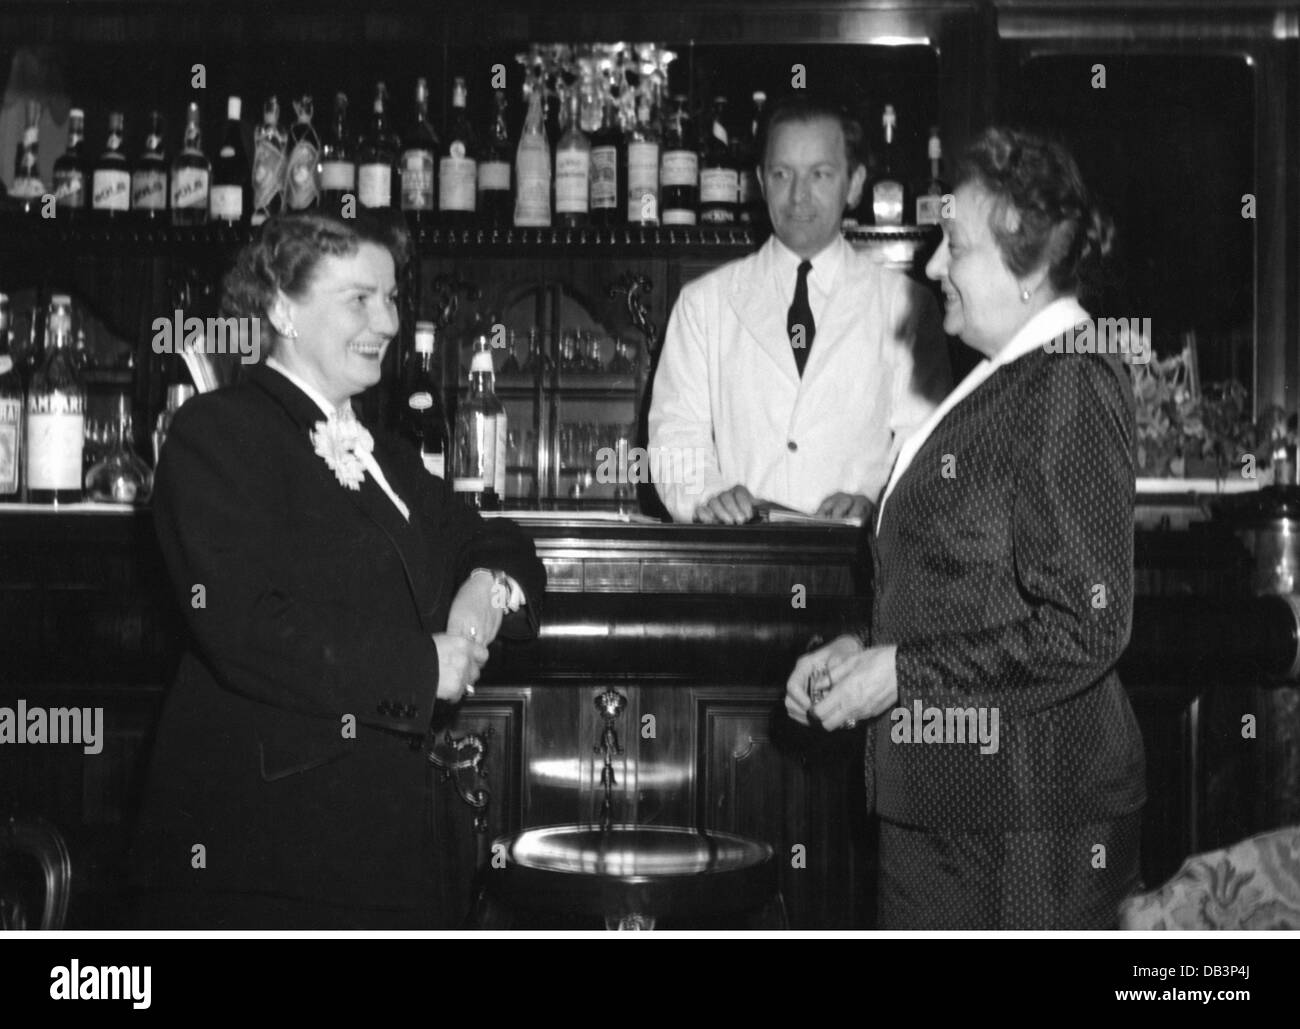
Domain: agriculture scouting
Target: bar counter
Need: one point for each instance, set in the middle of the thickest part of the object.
(695, 628)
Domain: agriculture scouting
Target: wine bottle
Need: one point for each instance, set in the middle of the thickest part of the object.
(11, 415)
(27, 185)
(458, 165)
(719, 182)
(679, 170)
(110, 182)
(269, 144)
(749, 200)
(479, 470)
(495, 206)
(642, 168)
(424, 417)
(572, 169)
(72, 170)
(533, 168)
(338, 170)
(929, 197)
(377, 157)
(56, 409)
(149, 179)
(418, 154)
(605, 167)
(888, 197)
(229, 198)
(191, 175)
(302, 174)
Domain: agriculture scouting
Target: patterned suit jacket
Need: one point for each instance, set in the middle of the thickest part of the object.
(1003, 570)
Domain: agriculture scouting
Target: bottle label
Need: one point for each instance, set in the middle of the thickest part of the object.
(149, 190)
(417, 180)
(642, 182)
(435, 464)
(604, 178)
(226, 203)
(338, 176)
(375, 185)
(533, 199)
(268, 174)
(718, 186)
(499, 460)
(494, 175)
(680, 168)
(54, 443)
(678, 216)
(111, 190)
(70, 189)
(457, 182)
(929, 210)
(11, 420)
(572, 181)
(190, 188)
(747, 191)
(301, 190)
(887, 202)
(421, 401)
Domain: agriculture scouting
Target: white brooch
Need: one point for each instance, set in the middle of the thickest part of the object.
(341, 442)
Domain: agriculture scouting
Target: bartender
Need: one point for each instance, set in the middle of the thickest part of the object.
(792, 376)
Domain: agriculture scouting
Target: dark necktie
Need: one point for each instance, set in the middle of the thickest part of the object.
(799, 324)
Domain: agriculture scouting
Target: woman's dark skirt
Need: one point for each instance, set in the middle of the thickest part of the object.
(1040, 879)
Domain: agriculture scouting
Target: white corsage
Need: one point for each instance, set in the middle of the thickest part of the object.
(342, 442)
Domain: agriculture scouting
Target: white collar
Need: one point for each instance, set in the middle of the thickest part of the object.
(825, 263)
(322, 401)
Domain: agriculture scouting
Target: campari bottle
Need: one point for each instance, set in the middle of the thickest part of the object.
(56, 414)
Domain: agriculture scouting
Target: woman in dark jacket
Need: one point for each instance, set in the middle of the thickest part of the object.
(334, 590)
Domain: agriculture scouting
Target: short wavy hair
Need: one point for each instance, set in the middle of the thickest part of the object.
(286, 254)
(1058, 225)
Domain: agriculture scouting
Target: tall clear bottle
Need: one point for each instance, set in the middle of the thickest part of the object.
(191, 175)
(458, 164)
(572, 169)
(149, 179)
(424, 415)
(110, 183)
(269, 145)
(533, 168)
(495, 203)
(27, 185)
(302, 173)
(11, 415)
(72, 171)
(479, 446)
(230, 198)
(56, 414)
(338, 166)
(642, 168)
(419, 152)
(377, 156)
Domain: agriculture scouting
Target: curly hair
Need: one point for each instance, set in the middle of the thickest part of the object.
(284, 257)
(1057, 224)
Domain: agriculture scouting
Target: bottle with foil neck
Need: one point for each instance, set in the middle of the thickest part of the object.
(110, 189)
(269, 143)
(377, 158)
(458, 164)
(303, 171)
(191, 175)
(149, 179)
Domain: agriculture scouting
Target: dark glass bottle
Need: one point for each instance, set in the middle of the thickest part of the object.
(679, 169)
(423, 414)
(377, 157)
(338, 166)
(110, 188)
(27, 185)
(495, 201)
(72, 170)
(607, 171)
(191, 175)
(419, 152)
(719, 183)
(230, 198)
(11, 415)
(458, 165)
(149, 179)
(642, 152)
(886, 191)
(750, 204)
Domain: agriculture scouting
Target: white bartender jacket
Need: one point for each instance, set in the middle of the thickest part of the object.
(729, 406)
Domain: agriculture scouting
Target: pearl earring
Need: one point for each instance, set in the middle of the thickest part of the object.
(1024, 295)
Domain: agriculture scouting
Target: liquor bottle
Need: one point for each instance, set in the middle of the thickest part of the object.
(719, 181)
(929, 197)
(149, 179)
(229, 198)
(419, 151)
(495, 206)
(11, 415)
(56, 408)
(679, 170)
(533, 168)
(424, 417)
(27, 185)
(377, 157)
(750, 206)
(572, 169)
(888, 197)
(191, 175)
(338, 167)
(269, 145)
(478, 465)
(110, 182)
(606, 168)
(642, 168)
(72, 170)
(458, 165)
(302, 173)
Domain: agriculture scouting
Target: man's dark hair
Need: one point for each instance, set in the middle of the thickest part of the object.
(801, 107)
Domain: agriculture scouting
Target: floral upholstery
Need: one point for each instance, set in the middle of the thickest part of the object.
(1254, 884)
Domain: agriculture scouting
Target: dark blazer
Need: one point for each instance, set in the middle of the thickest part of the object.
(310, 605)
(1005, 576)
